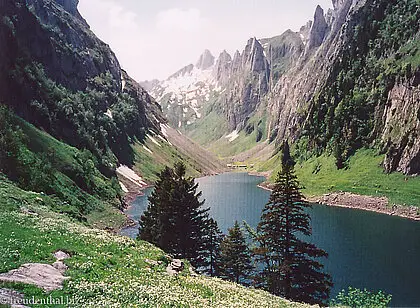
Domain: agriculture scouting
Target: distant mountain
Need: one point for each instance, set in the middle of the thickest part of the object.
(346, 80)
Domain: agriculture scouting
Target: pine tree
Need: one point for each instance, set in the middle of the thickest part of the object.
(190, 219)
(175, 219)
(289, 265)
(214, 239)
(235, 256)
(155, 225)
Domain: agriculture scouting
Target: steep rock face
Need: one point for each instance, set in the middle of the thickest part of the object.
(59, 76)
(328, 82)
(284, 50)
(318, 30)
(71, 7)
(236, 86)
(205, 61)
(222, 70)
(233, 87)
(69, 52)
(236, 62)
(250, 82)
(401, 132)
(374, 58)
(305, 31)
(183, 71)
(296, 88)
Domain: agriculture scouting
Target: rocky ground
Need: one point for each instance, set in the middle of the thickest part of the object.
(375, 204)
(368, 203)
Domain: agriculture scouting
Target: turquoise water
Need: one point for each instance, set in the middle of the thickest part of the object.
(366, 249)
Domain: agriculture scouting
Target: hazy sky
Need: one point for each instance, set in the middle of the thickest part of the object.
(155, 38)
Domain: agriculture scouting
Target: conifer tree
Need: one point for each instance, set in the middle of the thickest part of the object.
(175, 219)
(190, 219)
(155, 225)
(235, 256)
(289, 266)
(214, 239)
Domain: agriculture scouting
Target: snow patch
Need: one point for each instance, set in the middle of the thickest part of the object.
(147, 149)
(123, 187)
(123, 83)
(131, 175)
(197, 113)
(164, 129)
(109, 113)
(153, 140)
(233, 135)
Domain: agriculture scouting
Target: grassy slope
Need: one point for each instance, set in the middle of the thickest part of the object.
(197, 160)
(105, 270)
(364, 175)
(209, 129)
(149, 165)
(225, 149)
(103, 212)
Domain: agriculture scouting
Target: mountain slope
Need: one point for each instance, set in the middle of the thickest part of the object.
(348, 79)
(58, 76)
(104, 269)
(70, 120)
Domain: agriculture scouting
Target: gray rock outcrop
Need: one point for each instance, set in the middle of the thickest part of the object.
(401, 133)
(175, 267)
(45, 276)
(319, 29)
(205, 61)
(222, 69)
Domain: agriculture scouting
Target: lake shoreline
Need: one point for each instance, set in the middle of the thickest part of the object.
(128, 200)
(360, 202)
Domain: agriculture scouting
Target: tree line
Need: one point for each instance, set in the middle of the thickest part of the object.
(272, 257)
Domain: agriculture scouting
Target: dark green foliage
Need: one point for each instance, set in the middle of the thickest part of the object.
(235, 256)
(32, 160)
(286, 158)
(17, 161)
(80, 118)
(289, 266)
(58, 76)
(213, 242)
(382, 41)
(175, 219)
(356, 298)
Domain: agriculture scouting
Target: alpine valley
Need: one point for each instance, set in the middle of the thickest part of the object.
(347, 80)
(80, 140)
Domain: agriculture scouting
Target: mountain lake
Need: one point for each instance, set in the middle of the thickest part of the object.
(366, 249)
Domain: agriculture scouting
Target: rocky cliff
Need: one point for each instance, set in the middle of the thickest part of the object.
(401, 130)
(58, 75)
(359, 100)
(232, 87)
(333, 83)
